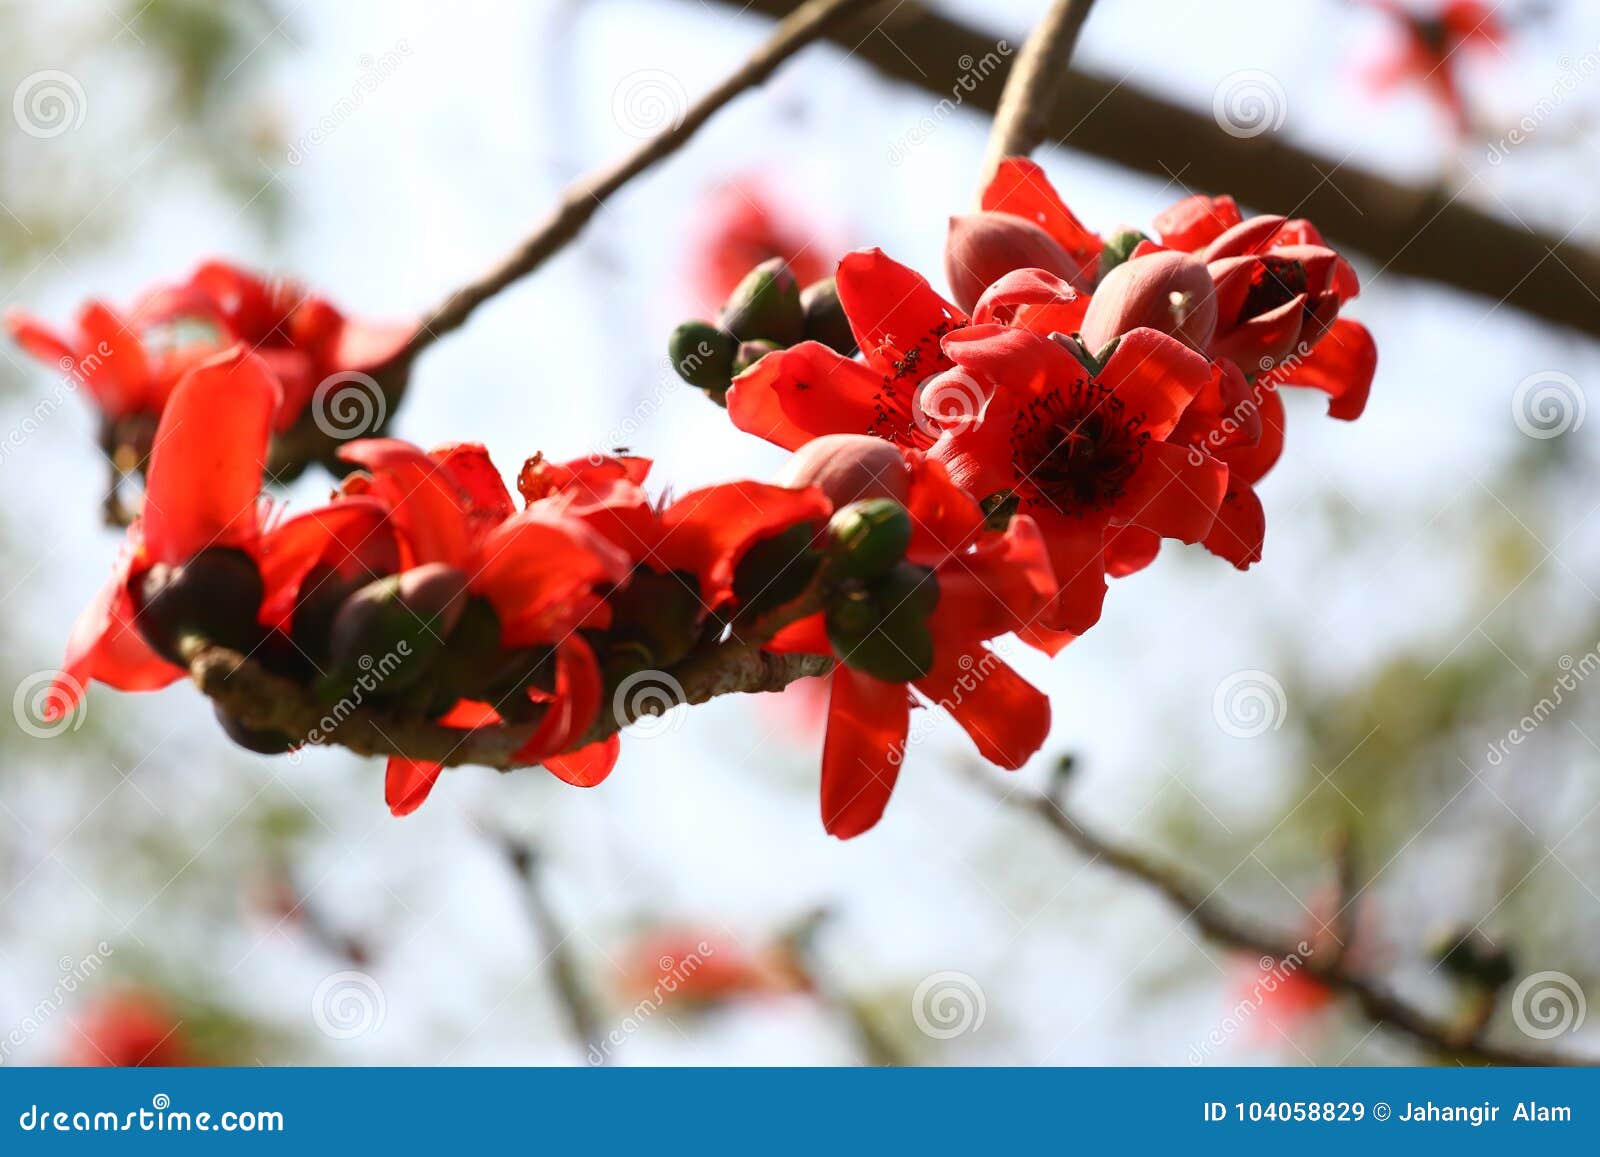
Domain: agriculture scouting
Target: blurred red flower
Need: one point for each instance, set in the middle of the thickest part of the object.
(129, 1029)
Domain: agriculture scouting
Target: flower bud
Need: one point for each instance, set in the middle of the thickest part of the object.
(750, 353)
(983, 247)
(848, 467)
(1118, 248)
(262, 742)
(765, 306)
(214, 596)
(656, 617)
(826, 321)
(703, 355)
(776, 569)
(1471, 956)
(1170, 292)
(882, 629)
(868, 537)
(322, 593)
(396, 625)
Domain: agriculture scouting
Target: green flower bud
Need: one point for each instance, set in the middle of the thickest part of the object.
(868, 537)
(395, 627)
(215, 596)
(262, 742)
(1118, 248)
(703, 355)
(765, 306)
(655, 621)
(776, 569)
(750, 353)
(882, 630)
(825, 319)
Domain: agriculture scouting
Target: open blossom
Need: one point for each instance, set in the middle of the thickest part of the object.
(131, 362)
(1429, 45)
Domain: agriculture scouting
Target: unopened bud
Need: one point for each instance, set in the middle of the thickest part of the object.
(868, 537)
(214, 596)
(826, 321)
(1170, 292)
(259, 740)
(983, 247)
(1473, 957)
(703, 355)
(882, 630)
(750, 353)
(765, 306)
(776, 569)
(397, 625)
(847, 467)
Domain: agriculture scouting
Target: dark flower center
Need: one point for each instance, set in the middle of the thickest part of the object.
(1275, 281)
(1078, 448)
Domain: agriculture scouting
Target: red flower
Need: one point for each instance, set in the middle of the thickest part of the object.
(132, 1029)
(1428, 50)
(538, 568)
(792, 396)
(203, 491)
(1084, 453)
(746, 225)
(130, 365)
(687, 967)
(989, 584)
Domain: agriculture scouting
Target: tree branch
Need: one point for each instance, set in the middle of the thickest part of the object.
(264, 701)
(583, 199)
(1035, 85)
(1376, 1003)
(1420, 232)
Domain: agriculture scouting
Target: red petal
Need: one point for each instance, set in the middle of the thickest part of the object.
(794, 395)
(1341, 365)
(352, 535)
(204, 485)
(574, 706)
(1130, 549)
(105, 646)
(1155, 376)
(363, 345)
(808, 636)
(431, 511)
(1251, 463)
(1035, 300)
(1196, 221)
(1007, 718)
(535, 567)
(407, 782)
(1077, 556)
(588, 766)
(944, 518)
(1175, 492)
(867, 722)
(708, 531)
(1019, 186)
(1241, 526)
(896, 315)
(602, 492)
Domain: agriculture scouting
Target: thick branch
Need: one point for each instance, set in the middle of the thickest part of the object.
(1034, 87)
(1421, 232)
(1376, 1003)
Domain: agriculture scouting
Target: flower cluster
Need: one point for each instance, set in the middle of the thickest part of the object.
(1082, 399)
(131, 362)
(962, 473)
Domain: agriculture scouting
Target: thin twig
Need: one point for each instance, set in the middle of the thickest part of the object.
(586, 197)
(1376, 1002)
(583, 1016)
(1034, 88)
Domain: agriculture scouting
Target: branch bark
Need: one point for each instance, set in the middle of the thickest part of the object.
(1035, 85)
(1425, 232)
(1377, 1003)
